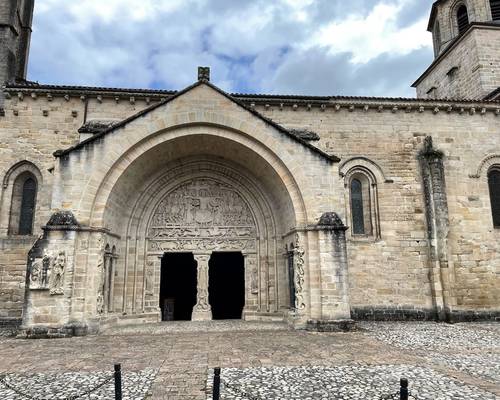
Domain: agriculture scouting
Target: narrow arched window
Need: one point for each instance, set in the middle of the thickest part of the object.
(27, 207)
(462, 19)
(23, 205)
(358, 218)
(495, 9)
(494, 186)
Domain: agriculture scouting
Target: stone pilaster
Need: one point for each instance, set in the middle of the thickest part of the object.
(202, 310)
(335, 305)
(436, 207)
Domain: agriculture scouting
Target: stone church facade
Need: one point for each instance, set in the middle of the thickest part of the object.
(123, 206)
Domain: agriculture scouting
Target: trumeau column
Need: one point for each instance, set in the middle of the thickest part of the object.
(202, 310)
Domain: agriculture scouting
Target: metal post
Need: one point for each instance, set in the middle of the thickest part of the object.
(118, 382)
(216, 390)
(403, 391)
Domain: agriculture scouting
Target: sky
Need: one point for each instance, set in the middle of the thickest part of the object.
(303, 47)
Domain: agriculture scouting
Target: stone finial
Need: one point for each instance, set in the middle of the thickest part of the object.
(204, 74)
(331, 220)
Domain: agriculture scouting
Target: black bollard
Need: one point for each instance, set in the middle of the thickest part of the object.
(216, 390)
(118, 382)
(403, 391)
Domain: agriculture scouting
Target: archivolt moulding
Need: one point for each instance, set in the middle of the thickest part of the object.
(366, 164)
(18, 168)
(485, 164)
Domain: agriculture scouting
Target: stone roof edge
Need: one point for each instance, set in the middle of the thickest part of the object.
(330, 158)
(271, 99)
(452, 45)
(494, 95)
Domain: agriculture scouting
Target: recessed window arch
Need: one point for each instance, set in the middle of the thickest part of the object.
(495, 10)
(21, 186)
(362, 203)
(462, 16)
(494, 189)
(23, 204)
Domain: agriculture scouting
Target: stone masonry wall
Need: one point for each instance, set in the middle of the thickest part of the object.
(390, 273)
(32, 129)
(393, 272)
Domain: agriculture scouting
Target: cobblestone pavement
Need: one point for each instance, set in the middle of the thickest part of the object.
(441, 361)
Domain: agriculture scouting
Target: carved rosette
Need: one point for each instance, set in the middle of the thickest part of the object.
(202, 214)
(299, 275)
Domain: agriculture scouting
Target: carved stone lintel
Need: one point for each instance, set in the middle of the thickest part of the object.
(202, 310)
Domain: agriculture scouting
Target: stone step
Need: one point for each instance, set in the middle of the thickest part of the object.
(161, 328)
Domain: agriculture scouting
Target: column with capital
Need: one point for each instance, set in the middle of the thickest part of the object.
(202, 310)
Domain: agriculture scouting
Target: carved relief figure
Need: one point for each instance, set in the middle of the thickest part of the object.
(57, 274)
(202, 214)
(100, 270)
(40, 272)
(254, 276)
(149, 277)
(202, 284)
(299, 275)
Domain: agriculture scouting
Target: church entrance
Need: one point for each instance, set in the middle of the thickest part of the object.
(177, 286)
(226, 285)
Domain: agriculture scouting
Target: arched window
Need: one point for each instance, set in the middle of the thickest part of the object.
(22, 211)
(358, 218)
(462, 19)
(495, 9)
(494, 186)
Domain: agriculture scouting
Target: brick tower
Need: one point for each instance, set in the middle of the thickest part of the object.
(15, 32)
(466, 36)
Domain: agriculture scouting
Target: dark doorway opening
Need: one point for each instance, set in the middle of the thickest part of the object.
(226, 285)
(177, 286)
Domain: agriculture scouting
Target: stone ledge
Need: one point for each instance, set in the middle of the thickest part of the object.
(474, 316)
(341, 325)
(47, 332)
(393, 314)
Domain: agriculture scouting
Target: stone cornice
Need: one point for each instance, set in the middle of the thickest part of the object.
(254, 101)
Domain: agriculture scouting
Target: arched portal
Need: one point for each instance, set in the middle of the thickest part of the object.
(205, 196)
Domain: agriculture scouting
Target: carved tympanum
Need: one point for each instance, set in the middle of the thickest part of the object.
(202, 214)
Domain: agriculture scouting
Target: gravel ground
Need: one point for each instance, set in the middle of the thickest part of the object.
(470, 348)
(353, 382)
(80, 385)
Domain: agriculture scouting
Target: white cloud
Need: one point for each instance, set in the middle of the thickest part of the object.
(368, 37)
(250, 45)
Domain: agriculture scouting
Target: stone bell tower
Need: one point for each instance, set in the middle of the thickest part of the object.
(16, 18)
(466, 36)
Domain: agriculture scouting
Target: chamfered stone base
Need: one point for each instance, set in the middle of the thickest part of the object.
(341, 325)
(201, 315)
